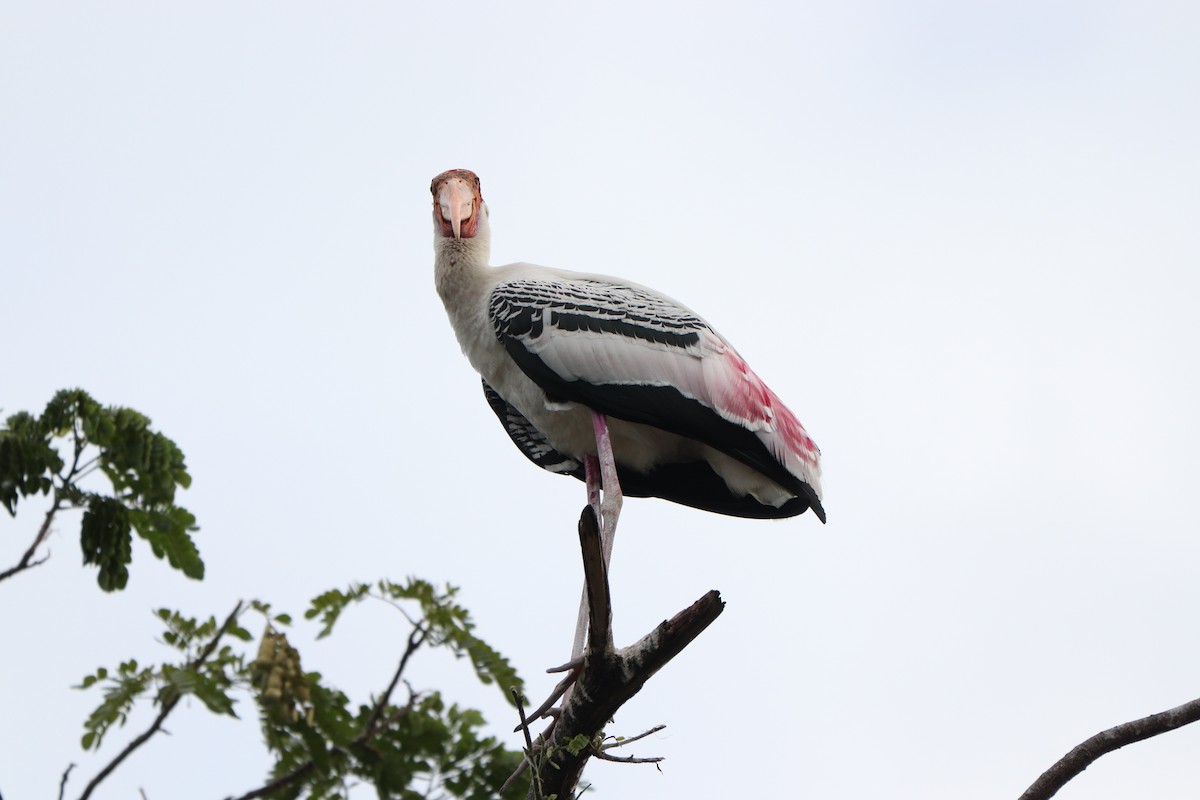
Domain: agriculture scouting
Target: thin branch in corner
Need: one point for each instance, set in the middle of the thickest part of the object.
(62, 784)
(1084, 754)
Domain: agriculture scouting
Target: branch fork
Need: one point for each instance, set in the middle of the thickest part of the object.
(606, 677)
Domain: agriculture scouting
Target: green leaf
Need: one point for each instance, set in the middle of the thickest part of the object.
(139, 460)
(578, 744)
(331, 713)
(330, 605)
(166, 529)
(27, 460)
(120, 694)
(105, 540)
(65, 407)
(207, 689)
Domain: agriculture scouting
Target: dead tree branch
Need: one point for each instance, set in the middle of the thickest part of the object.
(1082, 756)
(609, 677)
(632, 739)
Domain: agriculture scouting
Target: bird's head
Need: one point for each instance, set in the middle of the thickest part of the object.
(458, 208)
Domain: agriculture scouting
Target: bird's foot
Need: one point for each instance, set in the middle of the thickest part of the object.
(561, 690)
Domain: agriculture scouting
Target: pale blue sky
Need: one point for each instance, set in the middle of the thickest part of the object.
(959, 240)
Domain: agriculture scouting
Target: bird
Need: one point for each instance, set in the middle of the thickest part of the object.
(615, 384)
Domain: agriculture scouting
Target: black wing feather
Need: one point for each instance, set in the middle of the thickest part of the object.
(694, 484)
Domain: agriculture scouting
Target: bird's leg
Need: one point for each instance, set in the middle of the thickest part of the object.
(591, 473)
(599, 471)
(610, 506)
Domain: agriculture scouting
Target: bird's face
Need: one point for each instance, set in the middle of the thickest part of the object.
(457, 204)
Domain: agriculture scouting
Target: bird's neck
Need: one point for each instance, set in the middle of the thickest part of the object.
(461, 269)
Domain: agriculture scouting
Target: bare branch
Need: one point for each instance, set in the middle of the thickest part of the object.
(1082, 756)
(632, 739)
(527, 763)
(403, 711)
(415, 640)
(595, 573)
(280, 782)
(62, 784)
(167, 707)
(27, 561)
(604, 756)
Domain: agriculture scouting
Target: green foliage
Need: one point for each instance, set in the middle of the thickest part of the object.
(26, 460)
(122, 688)
(448, 624)
(416, 747)
(211, 679)
(578, 744)
(167, 531)
(322, 742)
(104, 539)
(143, 466)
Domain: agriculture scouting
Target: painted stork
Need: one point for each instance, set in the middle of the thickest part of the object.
(614, 383)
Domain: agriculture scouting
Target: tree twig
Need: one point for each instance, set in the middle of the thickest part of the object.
(280, 782)
(604, 756)
(632, 739)
(62, 784)
(1082, 756)
(415, 640)
(27, 561)
(167, 707)
(527, 762)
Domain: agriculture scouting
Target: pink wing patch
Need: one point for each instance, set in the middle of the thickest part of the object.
(740, 396)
